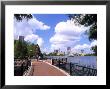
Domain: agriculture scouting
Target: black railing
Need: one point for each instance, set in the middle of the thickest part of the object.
(21, 66)
(74, 68)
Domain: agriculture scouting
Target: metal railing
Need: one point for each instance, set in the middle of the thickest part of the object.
(74, 69)
(20, 66)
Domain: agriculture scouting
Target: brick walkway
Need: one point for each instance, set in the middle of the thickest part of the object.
(43, 69)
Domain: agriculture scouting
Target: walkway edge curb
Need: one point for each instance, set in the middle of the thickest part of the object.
(58, 68)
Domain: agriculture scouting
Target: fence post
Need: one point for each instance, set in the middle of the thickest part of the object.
(70, 68)
(59, 63)
(22, 69)
(62, 60)
(66, 60)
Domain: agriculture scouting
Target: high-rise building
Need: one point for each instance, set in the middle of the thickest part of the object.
(68, 50)
(55, 51)
(21, 38)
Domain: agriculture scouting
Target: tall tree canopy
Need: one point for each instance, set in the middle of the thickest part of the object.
(20, 17)
(25, 49)
(20, 49)
(87, 20)
(94, 48)
(33, 50)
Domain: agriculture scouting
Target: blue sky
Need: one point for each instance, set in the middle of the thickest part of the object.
(53, 31)
(51, 20)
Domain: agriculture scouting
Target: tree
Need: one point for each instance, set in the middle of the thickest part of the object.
(38, 51)
(16, 49)
(41, 55)
(31, 49)
(20, 17)
(52, 54)
(20, 49)
(34, 50)
(94, 48)
(87, 20)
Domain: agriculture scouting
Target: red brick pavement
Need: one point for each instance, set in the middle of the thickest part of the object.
(43, 69)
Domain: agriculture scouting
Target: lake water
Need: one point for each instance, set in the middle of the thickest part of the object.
(90, 61)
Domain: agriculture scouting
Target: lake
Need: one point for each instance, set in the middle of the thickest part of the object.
(90, 61)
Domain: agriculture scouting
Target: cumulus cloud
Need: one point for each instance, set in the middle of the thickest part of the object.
(28, 28)
(25, 27)
(66, 34)
(46, 50)
(34, 39)
(69, 28)
(36, 24)
(82, 46)
(94, 43)
(85, 47)
(21, 28)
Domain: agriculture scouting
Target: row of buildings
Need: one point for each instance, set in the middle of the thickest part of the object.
(58, 52)
(68, 52)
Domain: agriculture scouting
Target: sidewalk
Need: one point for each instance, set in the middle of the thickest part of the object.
(41, 68)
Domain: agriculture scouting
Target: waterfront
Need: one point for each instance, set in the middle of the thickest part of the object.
(88, 61)
(66, 46)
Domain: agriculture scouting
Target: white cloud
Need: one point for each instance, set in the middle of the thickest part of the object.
(40, 42)
(66, 34)
(34, 39)
(85, 47)
(28, 28)
(21, 28)
(94, 43)
(36, 24)
(46, 50)
(69, 28)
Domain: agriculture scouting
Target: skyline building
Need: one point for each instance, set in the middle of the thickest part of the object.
(55, 51)
(68, 50)
(21, 38)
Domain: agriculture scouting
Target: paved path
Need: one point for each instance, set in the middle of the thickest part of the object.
(44, 69)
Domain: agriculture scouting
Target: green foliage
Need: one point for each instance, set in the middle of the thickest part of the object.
(44, 54)
(87, 20)
(25, 49)
(38, 51)
(41, 55)
(20, 49)
(94, 48)
(31, 50)
(93, 32)
(52, 54)
(20, 17)
(55, 54)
